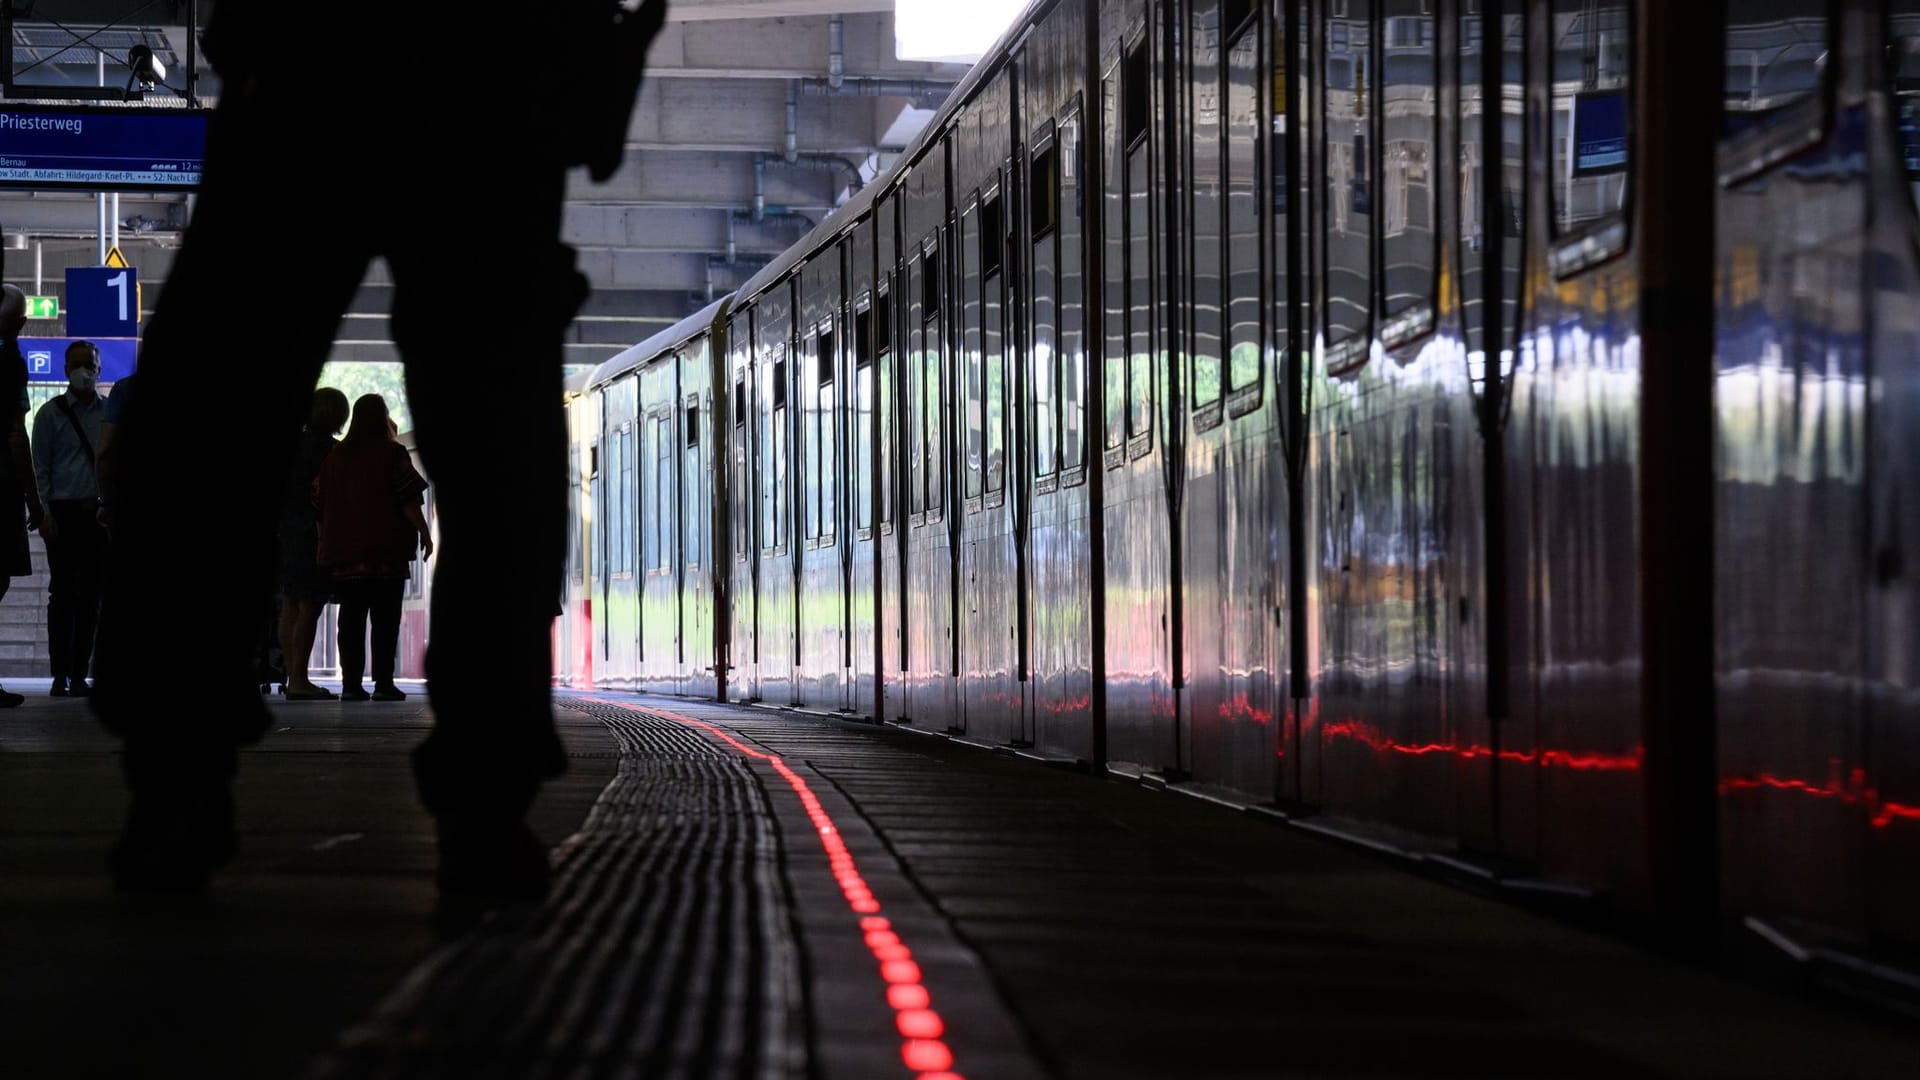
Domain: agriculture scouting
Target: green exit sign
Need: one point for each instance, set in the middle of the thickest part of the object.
(43, 307)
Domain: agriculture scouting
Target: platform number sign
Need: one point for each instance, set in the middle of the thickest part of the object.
(103, 302)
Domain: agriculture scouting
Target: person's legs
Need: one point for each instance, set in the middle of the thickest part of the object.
(289, 631)
(384, 610)
(274, 331)
(355, 600)
(306, 629)
(62, 566)
(90, 553)
(501, 509)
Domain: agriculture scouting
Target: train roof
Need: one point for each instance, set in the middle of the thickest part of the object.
(855, 208)
(671, 338)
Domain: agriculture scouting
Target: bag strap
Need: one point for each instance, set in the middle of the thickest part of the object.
(85, 443)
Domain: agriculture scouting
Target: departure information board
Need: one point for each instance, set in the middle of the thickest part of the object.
(101, 148)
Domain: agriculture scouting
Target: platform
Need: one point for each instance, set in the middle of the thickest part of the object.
(754, 893)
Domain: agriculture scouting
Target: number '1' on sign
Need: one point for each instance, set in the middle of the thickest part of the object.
(103, 302)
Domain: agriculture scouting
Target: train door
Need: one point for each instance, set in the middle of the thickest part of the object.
(887, 534)
(1496, 793)
(1236, 498)
(991, 706)
(1060, 532)
(696, 509)
(743, 594)
(620, 642)
(1142, 720)
(778, 613)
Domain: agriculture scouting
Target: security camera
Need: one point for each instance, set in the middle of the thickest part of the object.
(145, 66)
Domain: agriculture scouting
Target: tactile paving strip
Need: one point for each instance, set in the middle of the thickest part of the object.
(664, 950)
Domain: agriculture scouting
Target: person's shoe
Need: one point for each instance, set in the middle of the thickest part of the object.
(79, 688)
(389, 692)
(10, 700)
(173, 841)
(308, 693)
(353, 693)
(58, 689)
(505, 863)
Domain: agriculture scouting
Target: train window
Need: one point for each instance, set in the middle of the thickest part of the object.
(810, 448)
(826, 476)
(933, 382)
(915, 399)
(930, 287)
(1071, 348)
(623, 493)
(993, 359)
(692, 509)
(651, 500)
(1904, 55)
(1491, 221)
(1776, 58)
(1043, 191)
(1242, 222)
(1043, 194)
(883, 340)
(773, 449)
(666, 509)
(739, 500)
(1207, 211)
(1409, 113)
(1349, 190)
(1592, 80)
(1139, 92)
(972, 357)
(993, 237)
(1114, 262)
(1236, 16)
(862, 451)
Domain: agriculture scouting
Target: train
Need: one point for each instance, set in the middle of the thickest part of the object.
(1478, 424)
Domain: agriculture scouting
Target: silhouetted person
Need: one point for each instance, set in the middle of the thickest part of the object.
(460, 191)
(305, 585)
(19, 498)
(66, 431)
(372, 521)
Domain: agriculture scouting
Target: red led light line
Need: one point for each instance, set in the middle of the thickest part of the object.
(922, 1049)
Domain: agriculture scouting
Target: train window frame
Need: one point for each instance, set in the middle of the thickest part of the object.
(1139, 396)
(1399, 330)
(1043, 228)
(970, 249)
(1350, 353)
(993, 286)
(692, 536)
(1247, 398)
(826, 432)
(1756, 149)
(1205, 391)
(863, 413)
(1574, 251)
(1070, 129)
(1483, 42)
(779, 462)
(886, 361)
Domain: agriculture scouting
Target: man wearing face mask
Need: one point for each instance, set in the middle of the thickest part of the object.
(65, 432)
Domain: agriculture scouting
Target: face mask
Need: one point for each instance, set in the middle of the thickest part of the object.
(83, 379)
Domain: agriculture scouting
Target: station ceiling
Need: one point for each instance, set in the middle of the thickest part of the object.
(742, 98)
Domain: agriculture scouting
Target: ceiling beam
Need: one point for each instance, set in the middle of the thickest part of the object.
(716, 10)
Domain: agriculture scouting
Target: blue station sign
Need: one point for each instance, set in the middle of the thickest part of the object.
(101, 148)
(47, 357)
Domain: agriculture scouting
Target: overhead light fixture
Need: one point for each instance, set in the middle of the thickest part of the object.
(145, 66)
(945, 32)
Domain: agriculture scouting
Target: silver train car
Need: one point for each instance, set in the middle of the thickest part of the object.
(1340, 402)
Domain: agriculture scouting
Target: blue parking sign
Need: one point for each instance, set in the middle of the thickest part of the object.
(103, 302)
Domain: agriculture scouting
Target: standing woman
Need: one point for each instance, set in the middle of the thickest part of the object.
(305, 584)
(370, 500)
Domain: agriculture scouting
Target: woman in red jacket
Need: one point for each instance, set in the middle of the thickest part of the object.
(370, 500)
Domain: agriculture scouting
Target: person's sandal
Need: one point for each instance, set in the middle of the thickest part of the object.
(389, 693)
(353, 693)
(315, 693)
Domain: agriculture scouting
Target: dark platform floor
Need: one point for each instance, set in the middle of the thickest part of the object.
(721, 874)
